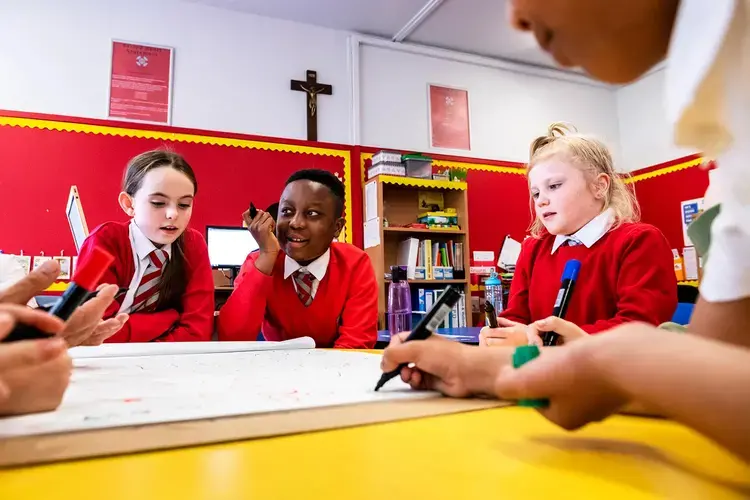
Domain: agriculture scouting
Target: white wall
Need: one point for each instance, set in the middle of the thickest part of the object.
(507, 109)
(231, 73)
(645, 134)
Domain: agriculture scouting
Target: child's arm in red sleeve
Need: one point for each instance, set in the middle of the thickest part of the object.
(104, 238)
(242, 316)
(359, 320)
(646, 283)
(196, 320)
(145, 327)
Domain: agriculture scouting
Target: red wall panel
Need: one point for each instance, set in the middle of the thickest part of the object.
(39, 166)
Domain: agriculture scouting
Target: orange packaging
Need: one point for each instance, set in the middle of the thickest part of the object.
(679, 268)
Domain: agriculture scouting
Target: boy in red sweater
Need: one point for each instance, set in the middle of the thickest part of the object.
(584, 211)
(160, 261)
(301, 283)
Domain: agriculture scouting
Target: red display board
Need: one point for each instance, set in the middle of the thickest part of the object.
(39, 165)
(660, 195)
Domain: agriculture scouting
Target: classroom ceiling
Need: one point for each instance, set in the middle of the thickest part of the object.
(471, 26)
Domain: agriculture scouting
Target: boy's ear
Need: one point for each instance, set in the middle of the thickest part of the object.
(126, 203)
(340, 223)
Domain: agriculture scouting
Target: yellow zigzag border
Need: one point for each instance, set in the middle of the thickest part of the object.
(522, 171)
(450, 164)
(425, 183)
(198, 139)
(666, 170)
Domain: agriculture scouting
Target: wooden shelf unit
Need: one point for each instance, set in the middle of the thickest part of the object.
(397, 202)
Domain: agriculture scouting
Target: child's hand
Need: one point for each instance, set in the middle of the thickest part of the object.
(105, 329)
(82, 324)
(33, 373)
(444, 365)
(565, 329)
(575, 379)
(263, 229)
(509, 333)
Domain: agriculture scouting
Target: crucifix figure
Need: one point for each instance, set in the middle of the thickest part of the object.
(312, 88)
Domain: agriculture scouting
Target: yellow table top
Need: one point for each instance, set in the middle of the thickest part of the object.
(498, 453)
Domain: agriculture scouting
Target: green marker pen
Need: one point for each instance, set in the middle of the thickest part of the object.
(521, 356)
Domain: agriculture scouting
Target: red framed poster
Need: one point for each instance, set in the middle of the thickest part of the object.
(449, 118)
(140, 85)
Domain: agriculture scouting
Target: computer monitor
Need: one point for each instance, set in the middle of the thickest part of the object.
(76, 219)
(228, 246)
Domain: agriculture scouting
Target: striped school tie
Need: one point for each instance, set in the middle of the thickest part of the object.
(148, 291)
(304, 280)
(573, 242)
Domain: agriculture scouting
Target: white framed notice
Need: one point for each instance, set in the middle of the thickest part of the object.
(140, 82)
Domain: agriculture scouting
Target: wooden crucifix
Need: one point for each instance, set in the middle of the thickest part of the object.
(312, 88)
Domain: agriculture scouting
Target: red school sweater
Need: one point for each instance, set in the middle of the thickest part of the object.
(343, 314)
(195, 320)
(628, 275)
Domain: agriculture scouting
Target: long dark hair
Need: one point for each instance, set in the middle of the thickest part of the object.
(174, 278)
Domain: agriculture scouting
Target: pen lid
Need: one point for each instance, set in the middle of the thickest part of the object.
(522, 355)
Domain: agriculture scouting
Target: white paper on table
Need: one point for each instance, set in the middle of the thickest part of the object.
(126, 391)
(371, 200)
(172, 348)
(372, 232)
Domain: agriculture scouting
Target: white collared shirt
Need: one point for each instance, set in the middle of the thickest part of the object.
(590, 233)
(142, 248)
(317, 268)
(708, 102)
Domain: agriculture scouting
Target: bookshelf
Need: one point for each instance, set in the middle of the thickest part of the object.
(396, 200)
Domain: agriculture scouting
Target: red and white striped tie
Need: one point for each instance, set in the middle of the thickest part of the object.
(304, 280)
(148, 291)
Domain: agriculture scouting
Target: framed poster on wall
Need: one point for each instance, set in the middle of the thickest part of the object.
(449, 117)
(140, 83)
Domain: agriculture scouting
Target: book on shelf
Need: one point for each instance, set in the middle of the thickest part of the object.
(432, 260)
(427, 297)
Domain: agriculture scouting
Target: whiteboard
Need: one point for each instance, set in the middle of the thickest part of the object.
(76, 219)
(110, 392)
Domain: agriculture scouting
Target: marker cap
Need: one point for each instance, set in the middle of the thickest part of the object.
(521, 356)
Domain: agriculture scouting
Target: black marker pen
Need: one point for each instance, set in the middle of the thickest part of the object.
(489, 312)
